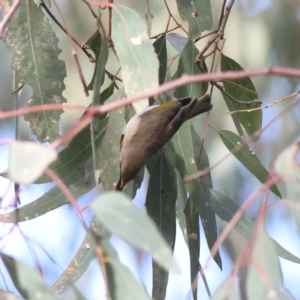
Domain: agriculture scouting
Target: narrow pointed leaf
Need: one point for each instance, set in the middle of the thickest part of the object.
(28, 281)
(122, 218)
(108, 152)
(208, 217)
(193, 234)
(77, 152)
(286, 165)
(177, 41)
(247, 157)
(35, 57)
(264, 276)
(181, 202)
(81, 261)
(52, 199)
(186, 161)
(244, 90)
(124, 283)
(100, 70)
(186, 65)
(226, 291)
(198, 14)
(136, 53)
(160, 204)
(160, 48)
(225, 208)
(94, 43)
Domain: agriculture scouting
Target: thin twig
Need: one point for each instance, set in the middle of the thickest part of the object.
(7, 16)
(223, 91)
(262, 107)
(184, 79)
(170, 14)
(159, 34)
(239, 214)
(220, 32)
(73, 50)
(81, 46)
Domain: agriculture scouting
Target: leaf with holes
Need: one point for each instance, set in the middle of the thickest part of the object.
(198, 14)
(35, 57)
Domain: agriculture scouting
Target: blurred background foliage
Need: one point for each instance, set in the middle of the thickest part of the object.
(258, 33)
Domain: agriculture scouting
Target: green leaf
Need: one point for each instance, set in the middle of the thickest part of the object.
(35, 57)
(28, 160)
(235, 117)
(286, 165)
(177, 41)
(160, 204)
(193, 233)
(207, 214)
(160, 48)
(186, 161)
(94, 43)
(77, 152)
(124, 282)
(81, 261)
(108, 153)
(52, 199)
(28, 281)
(186, 65)
(264, 276)
(227, 291)
(100, 70)
(181, 202)
(225, 208)
(247, 157)
(244, 90)
(122, 218)
(198, 14)
(135, 52)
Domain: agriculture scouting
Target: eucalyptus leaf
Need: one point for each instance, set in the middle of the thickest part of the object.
(28, 281)
(122, 218)
(35, 57)
(124, 283)
(177, 41)
(160, 48)
(286, 165)
(198, 14)
(207, 214)
(244, 90)
(108, 152)
(160, 204)
(135, 52)
(264, 273)
(186, 65)
(82, 259)
(247, 157)
(225, 208)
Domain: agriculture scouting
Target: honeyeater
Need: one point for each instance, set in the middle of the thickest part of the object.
(148, 131)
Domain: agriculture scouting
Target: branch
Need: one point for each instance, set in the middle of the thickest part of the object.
(223, 91)
(220, 32)
(185, 79)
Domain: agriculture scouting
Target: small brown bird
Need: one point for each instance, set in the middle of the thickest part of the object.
(148, 131)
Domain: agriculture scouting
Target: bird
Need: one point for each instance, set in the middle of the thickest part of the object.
(148, 131)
